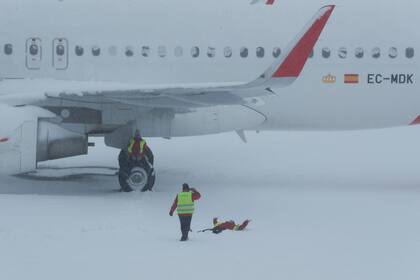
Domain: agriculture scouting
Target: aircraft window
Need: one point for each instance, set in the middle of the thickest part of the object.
(179, 51)
(326, 52)
(162, 51)
(244, 52)
(260, 52)
(96, 51)
(409, 52)
(376, 52)
(393, 52)
(112, 50)
(129, 51)
(359, 52)
(228, 52)
(60, 50)
(276, 52)
(34, 49)
(8, 49)
(145, 51)
(211, 52)
(342, 52)
(79, 50)
(195, 52)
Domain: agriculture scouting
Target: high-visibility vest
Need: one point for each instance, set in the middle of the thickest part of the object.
(185, 203)
(218, 223)
(131, 145)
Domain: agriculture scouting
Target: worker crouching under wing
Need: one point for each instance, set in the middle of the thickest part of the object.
(136, 166)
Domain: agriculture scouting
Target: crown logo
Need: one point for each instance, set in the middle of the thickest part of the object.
(329, 79)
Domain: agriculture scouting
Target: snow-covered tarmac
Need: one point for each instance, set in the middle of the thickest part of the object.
(330, 206)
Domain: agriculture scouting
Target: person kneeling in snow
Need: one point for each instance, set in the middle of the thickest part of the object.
(219, 226)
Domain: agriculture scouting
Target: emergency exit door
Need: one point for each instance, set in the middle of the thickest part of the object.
(60, 54)
(33, 53)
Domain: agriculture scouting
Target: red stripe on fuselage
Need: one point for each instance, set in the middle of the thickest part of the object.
(416, 121)
(270, 2)
(294, 63)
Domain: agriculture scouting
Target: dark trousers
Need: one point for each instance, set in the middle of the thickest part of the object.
(185, 222)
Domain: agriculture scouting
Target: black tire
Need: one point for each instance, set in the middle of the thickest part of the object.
(135, 174)
(137, 178)
(122, 179)
(150, 182)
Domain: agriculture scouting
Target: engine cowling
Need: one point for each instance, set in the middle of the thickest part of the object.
(29, 136)
(55, 142)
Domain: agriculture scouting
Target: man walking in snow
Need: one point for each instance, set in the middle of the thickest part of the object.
(184, 204)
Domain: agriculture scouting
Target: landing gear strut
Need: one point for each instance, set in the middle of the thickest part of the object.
(136, 173)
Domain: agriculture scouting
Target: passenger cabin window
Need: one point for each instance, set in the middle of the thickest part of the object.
(129, 52)
(162, 51)
(260, 52)
(112, 50)
(359, 52)
(276, 52)
(393, 52)
(409, 52)
(326, 52)
(244, 52)
(342, 52)
(195, 52)
(179, 51)
(78, 50)
(227, 52)
(145, 51)
(376, 52)
(8, 49)
(211, 52)
(96, 51)
(34, 49)
(60, 50)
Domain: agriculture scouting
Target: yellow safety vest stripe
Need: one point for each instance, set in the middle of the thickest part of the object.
(132, 142)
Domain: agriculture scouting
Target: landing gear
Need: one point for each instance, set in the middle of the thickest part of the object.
(136, 174)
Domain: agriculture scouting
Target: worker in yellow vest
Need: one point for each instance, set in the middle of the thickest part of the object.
(184, 204)
(137, 145)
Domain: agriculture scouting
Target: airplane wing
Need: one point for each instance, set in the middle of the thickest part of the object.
(64, 113)
(283, 72)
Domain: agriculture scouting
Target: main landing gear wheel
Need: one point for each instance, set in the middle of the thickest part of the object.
(138, 178)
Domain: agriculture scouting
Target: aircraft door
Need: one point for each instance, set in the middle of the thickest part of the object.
(33, 53)
(60, 54)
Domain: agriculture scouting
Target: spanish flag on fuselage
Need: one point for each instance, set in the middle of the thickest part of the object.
(351, 78)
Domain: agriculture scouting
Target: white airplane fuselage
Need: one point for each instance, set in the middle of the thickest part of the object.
(155, 43)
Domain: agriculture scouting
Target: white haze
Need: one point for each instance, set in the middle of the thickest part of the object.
(324, 206)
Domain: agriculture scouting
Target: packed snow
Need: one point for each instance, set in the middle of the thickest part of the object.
(323, 206)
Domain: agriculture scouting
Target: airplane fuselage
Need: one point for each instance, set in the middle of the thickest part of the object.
(363, 73)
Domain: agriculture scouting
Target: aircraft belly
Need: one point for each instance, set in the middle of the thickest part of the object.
(342, 108)
(216, 120)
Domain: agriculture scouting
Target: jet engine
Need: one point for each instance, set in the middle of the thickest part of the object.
(29, 135)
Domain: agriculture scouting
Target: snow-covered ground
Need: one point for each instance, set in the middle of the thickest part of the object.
(323, 206)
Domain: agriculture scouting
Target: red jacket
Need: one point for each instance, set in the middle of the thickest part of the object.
(231, 225)
(195, 196)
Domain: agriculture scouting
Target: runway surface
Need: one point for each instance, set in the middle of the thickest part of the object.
(323, 206)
